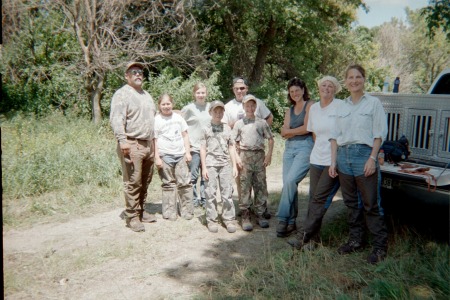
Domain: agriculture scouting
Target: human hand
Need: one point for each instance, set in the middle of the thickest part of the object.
(235, 172)
(158, 162)
(205, 174)
(370, 167)
(126, 149)
(332, 172)
(188, 157)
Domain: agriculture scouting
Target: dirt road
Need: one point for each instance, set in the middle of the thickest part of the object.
(97, 257)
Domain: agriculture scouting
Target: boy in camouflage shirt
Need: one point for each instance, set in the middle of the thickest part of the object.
(249, 134)
(216, 148)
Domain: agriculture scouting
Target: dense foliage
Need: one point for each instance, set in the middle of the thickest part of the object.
(69, 55)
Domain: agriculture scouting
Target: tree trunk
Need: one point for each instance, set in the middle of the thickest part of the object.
(95, 91)
(261, 56)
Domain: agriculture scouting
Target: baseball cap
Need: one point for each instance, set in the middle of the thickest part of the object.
(216, 103)
(248, 98)
(239, 80)
(134, 64)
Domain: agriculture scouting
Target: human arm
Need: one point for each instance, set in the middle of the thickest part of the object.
(118, 117)
(370, 167)
(233, 155)
(302, 130)
(332, 171)
(285, 127)
(269, 119)
(187, 146)
(268, 157)
(238, 157)
(158, 160)
(203, 162)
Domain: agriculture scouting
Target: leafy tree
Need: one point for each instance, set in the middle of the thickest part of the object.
(111, 33)
(37, 56)
(264, 38)
(437, 15)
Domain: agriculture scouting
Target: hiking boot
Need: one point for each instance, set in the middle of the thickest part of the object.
(291, 228)
(376, 256)
(284, 230)
(212, 227)
(231, 228)
(281, 229)
(147, 217)
(296, 242)
(349, 247)
(246, 223)
(262, 222)
(310, 246)
(266, 215)
(171, 217)
(135, 224)
(188, 216)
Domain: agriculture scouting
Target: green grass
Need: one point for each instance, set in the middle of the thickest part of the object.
(414, 269)
(56, 167)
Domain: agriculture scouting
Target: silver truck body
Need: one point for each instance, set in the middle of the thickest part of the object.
(425, 121)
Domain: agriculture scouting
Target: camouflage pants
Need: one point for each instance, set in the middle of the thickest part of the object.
(253, 175)
(219, 177)
(176, 184)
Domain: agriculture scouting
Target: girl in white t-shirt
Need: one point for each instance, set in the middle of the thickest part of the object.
(172, 155)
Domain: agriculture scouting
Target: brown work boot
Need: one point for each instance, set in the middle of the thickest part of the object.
(135, 224)
(147, 217)
(246, 223)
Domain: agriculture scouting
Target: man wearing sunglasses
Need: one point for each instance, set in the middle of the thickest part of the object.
(234, 111)
(132, 120)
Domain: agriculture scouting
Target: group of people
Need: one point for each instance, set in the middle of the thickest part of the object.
(336, 141)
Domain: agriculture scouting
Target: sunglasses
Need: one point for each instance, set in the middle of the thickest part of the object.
(136, 72)
(240, 88)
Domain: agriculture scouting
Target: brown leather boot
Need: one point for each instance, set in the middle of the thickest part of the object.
(147, 217)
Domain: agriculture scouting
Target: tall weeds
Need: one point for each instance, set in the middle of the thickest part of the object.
(54, 164)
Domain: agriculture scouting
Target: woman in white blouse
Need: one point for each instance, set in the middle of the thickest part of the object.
(360, 128)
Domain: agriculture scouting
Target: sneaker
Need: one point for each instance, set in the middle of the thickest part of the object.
(349, 247)
(231, 228)
(263, 223)
(147, 217)
(212, 227)
(135, 224)
(246, 223)
(376, 256)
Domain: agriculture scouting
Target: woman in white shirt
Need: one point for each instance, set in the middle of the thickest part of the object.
(360, 128)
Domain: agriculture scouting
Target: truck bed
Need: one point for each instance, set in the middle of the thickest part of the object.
(425, 121)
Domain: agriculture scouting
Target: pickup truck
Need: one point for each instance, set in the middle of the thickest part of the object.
(425, 121)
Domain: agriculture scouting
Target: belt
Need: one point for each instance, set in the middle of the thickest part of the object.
(139, 140)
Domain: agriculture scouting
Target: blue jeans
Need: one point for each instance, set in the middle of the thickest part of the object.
(295, 167)
(194, 168)
(350, 163)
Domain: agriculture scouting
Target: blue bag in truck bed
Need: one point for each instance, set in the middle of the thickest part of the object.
(396, 151)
